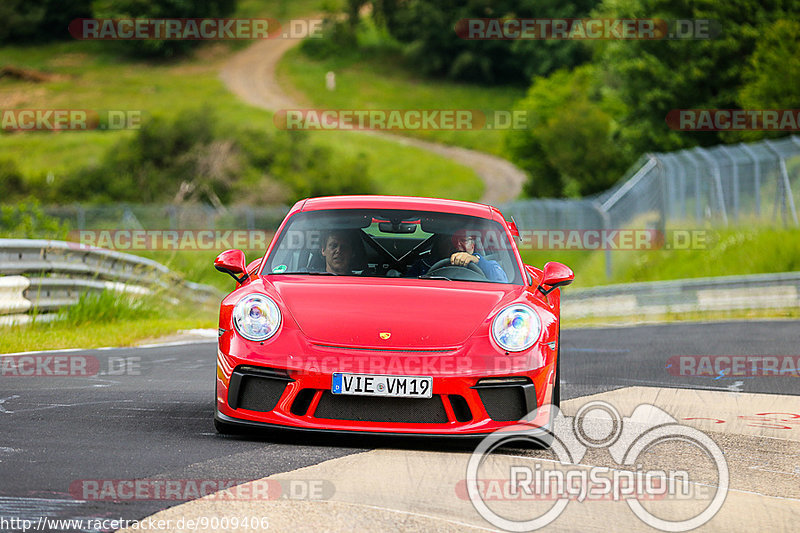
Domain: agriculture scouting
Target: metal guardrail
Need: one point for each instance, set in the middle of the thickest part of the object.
(726, 293)
(43, 276)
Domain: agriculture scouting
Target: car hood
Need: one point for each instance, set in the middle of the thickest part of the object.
(416, 314)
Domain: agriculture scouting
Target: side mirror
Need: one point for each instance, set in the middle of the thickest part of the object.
(232, 262)
(555, 275)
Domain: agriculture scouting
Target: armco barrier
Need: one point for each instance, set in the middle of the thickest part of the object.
(11, 298)
(45, 276)
(727, 293)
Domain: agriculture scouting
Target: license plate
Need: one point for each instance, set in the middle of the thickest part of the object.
(376, 385)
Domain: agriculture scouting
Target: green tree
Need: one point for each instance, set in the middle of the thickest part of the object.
(653, 77)
(772, 77)
(428, 27)
(40, 20)
(153, 9)
(571, 146)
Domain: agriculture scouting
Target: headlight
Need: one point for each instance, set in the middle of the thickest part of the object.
(256, 317)
(516, 328)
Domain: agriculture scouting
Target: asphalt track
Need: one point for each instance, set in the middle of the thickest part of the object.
(153, 418)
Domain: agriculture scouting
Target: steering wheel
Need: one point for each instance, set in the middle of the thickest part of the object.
(445, 263)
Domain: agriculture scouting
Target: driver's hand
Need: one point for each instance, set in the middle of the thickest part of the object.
(462, 259)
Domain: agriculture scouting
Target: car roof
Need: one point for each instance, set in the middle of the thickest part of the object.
(401, 202)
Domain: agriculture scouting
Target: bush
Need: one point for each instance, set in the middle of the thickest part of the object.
(28, 221)
(191, 159)
(12, 182)
(337, 38)
(151, 166)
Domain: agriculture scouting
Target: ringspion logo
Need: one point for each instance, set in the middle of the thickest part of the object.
(545, 488)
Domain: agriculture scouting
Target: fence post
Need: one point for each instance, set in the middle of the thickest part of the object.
(680, 176)
(717, 181)
(698, 209)
(81, 214)
(661, 183)
(606, 223)
(669, 176)
(757, 175)
(786, 186)
(735, 166)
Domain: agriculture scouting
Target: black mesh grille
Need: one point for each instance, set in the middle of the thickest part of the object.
(504, 404)
(258, 393)
(378, 409)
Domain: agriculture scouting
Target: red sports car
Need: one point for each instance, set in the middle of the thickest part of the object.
(391, 315)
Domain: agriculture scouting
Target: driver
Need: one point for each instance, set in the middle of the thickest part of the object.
(339, 252)
(461, 249)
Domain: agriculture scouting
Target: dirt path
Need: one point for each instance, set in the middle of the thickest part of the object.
(250, 74)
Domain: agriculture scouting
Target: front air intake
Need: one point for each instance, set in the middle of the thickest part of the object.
(256, 389)
(507, 399)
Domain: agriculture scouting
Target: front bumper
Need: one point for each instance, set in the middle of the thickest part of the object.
(470, 400)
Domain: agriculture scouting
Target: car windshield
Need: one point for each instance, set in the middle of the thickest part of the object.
(394, 244)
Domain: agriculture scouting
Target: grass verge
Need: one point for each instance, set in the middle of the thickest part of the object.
(56, 335)
(382, 81)
(668, 318)
(720, 252)
(107, 319)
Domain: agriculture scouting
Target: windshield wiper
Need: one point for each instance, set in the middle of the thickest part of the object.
(425, 276)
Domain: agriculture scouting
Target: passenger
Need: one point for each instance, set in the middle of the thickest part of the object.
(461, 249)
